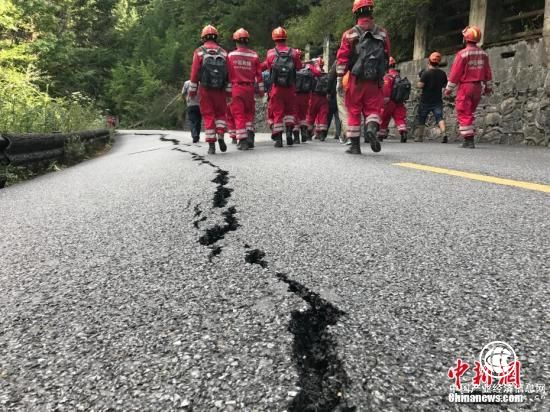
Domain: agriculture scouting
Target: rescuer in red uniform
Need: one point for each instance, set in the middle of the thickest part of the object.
(393, 109)
(244, 72)
(305, 80)
(283, 62)
(364, 51)
(317, 117)
(210, 70)
(471, 72)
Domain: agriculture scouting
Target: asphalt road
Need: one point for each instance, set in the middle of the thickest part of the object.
(158, 278)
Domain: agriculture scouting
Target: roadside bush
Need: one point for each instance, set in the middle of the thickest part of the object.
(25, 109)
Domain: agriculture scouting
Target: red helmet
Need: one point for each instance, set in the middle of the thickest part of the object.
(209, 31)
(359, 4)
(241, 34)
(435, 57)
(392, 61)
(472, 34)
(279, 34)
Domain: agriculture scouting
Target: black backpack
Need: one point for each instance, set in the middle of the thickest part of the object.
(213, 73)
(401, 90)
(305, 81)
(283, 72)
(321, 86)
(371, 56)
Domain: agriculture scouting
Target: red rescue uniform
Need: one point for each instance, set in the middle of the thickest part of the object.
(394, 110)
(231, 129)
(362, 97)
(301, 109)
(471, 72)
(282, 99)
(317, 116)
(213, 103)
(244, 73)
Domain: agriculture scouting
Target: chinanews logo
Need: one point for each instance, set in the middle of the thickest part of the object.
(497, 378)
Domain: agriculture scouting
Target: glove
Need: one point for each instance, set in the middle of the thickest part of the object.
(192, 94)
(447, 92)
(339, 87)
(488, 91)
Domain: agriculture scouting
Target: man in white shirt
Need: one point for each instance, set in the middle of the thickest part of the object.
(193, 112)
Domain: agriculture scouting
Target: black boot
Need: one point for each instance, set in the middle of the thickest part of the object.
(221, 142)
(242, 144)
(445, 139)
(355, 147)
(211, 148)
(196, 139)
(469, 144)
(303, 130)
(309, 134)
(296, 134)
(251, 137)
(372, 137)
(289, 137)
(278, 138)
(234, 140)
(404, 137)
(324, 135)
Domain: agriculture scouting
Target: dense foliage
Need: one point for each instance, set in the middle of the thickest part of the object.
(132, 56)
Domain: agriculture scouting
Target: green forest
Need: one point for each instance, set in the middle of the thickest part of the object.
(66, 64)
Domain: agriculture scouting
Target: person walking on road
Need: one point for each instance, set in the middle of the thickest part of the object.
(244, 73)
(209, 69)
(283, 62)
(305, 82)
(333, 112)
(432, 82)
(193, 112)
(396, 93)
(365, 52)
(318, 104)
(471, 73)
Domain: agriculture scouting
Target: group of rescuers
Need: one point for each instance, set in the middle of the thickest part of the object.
(368, 87)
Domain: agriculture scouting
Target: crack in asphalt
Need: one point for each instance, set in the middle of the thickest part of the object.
(214, 234)
(163, 138)
(322, 377)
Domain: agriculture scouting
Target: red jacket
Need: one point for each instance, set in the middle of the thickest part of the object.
(349, 41)
(271, 56)
(197, 64)
(471, 65)
(389, 80)
(245, 68)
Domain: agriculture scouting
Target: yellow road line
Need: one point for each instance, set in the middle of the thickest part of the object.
(474, 176)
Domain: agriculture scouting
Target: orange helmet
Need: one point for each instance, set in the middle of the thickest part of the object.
(392, 61)
(472, 34)
(279, 34)
(241, 34)
(209, 31)
(359, 4)
(435, 57)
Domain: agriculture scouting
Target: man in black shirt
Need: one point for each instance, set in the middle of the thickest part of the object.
(432, 82)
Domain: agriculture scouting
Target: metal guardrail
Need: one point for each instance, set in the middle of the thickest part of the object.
(27, 148)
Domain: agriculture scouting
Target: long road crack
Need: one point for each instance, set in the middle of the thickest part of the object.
(322, 377)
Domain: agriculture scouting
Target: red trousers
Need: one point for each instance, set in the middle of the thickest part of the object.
(363, 98)
(213, 109)
(230, 122)
(243, 107)
(468, 96)
(302, 108)
(269, 114)
(398, 112)
(282, 106)
(318, 113)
